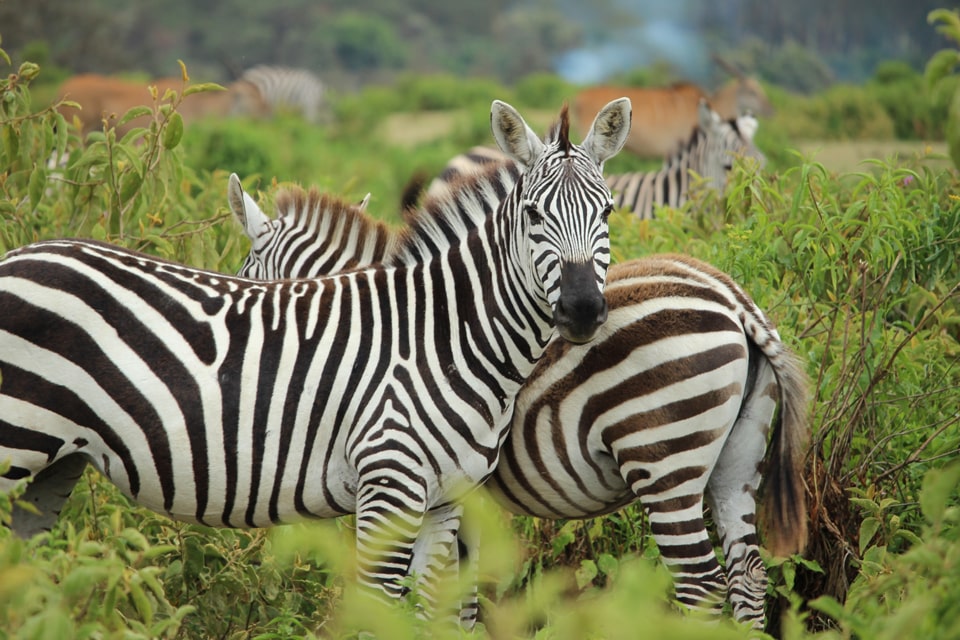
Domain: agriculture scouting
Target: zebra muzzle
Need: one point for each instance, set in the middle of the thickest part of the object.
(581, 308)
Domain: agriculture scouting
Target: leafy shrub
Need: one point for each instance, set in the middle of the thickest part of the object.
(842, 112)
(903, 94)
(942, 79)
(543, 91)
(444, 91)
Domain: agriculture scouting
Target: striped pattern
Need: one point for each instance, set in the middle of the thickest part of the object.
(671, 404)
(289, 89)
(380, 392)
(706, 159)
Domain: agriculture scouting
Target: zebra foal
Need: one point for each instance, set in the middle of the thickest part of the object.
(240, 403)
(670, 405)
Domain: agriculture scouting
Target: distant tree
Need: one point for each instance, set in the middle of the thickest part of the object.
(363, 42)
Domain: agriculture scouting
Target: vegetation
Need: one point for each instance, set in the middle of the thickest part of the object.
(942, 79)
(858, 271)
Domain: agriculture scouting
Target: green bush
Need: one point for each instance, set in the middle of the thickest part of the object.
(942, 78)
(543, 91)
(903, 94)
(842, 112)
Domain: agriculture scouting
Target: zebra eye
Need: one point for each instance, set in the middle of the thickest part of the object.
(533, 213)
(605, 214)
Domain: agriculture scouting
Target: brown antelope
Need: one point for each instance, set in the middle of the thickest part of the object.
(105, 97)
(664, 117)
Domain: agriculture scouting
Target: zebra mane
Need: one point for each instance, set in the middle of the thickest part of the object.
(444, 220)
(332, 218)
(559, 131)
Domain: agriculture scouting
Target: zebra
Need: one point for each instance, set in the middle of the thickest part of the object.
(285, 88)
(380, 391)
(709, 152)
(671, 404)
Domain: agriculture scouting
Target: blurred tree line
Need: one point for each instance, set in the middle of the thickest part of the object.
(804, 46)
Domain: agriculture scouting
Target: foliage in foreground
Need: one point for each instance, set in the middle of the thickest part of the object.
(858, 271)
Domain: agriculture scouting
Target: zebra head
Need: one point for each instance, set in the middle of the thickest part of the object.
(723, 141)
(564, 204)
(256, 224)
(277, 244)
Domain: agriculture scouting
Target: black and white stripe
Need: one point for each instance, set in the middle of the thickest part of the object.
(289, 89)
(706, 159)
(380, 391)
(671, 404)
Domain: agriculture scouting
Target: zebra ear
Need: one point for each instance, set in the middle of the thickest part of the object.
(362, 205)
(707, 116)
(609, 131)
(514, 137)
(748, 124)
(245, 209)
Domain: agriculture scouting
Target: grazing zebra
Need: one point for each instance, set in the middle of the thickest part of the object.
(670, 404)
(710, 153)
(382, 391)
(284, 88)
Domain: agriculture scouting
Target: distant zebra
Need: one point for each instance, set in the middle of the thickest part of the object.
(709, 153)
(288, 89)
(672, 402)
(381, 392)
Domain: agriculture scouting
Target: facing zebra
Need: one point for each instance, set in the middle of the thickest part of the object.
(288, 89)
(670, 404)
(380, 392)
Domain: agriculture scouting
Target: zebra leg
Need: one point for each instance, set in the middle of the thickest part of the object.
(680, 533)
(468, 557)
(731, 493)
(47, 492)
(436, 561)
(390, 514)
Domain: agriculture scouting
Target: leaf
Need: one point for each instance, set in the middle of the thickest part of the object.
(203, 86)
(129, 185)
(951, 20)
(940, 66)
(11, 142)
(140, 600)
(608, 565)
(868, 529)
(939, 485)
(135, 112)
(38, 180)
(174, 131)
(586, 573)
(829, 606)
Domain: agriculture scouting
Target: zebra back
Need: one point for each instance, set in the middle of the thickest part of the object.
(285, 88)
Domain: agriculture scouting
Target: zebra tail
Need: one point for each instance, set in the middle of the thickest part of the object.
(784, 500)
